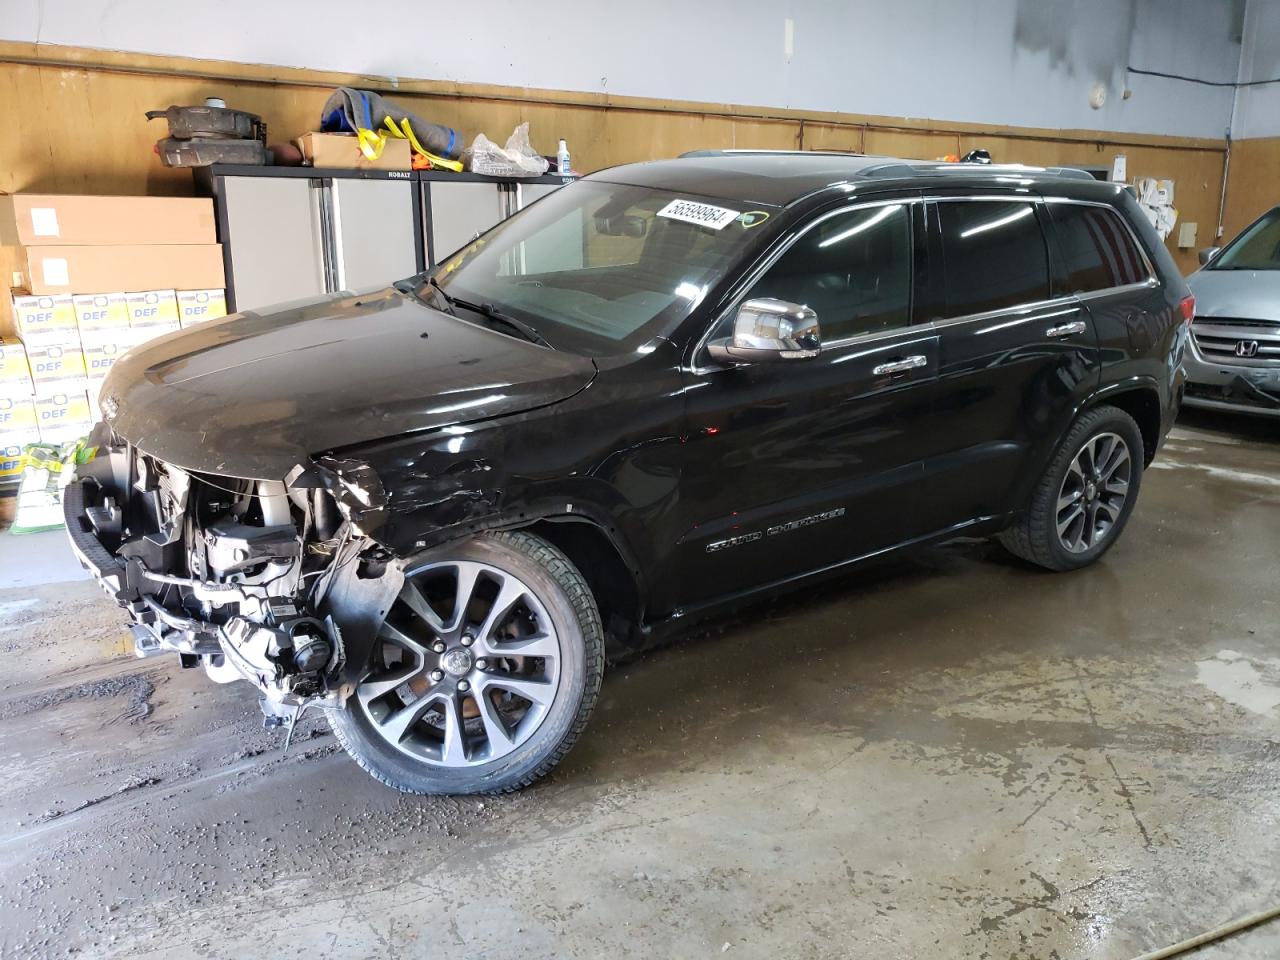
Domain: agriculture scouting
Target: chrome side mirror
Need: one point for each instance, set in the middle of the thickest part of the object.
(1207, 254)
(768, 329)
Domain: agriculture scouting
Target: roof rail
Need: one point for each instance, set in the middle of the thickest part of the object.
(924, 168)
(894, 167)
(736, 151)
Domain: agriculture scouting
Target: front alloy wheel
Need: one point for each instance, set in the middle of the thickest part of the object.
(484, 672)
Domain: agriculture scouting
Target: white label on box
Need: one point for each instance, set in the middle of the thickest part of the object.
(44, 221)
(703, 214)
(55, 272)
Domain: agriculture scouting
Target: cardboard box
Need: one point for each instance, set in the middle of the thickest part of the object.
(15, 372)
(63, 416)
(153, 311)
(100, 315)
(197, 306)
(51, 270)
(44, 319)
(11, 457)
(17, 417)
(342, 151)
(30, 219)
(57, 367)
(100, 354)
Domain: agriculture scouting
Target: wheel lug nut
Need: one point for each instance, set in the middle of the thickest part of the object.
(482, 664)
(468, 639)
(437, 675)
(438, 647)
(464, 686)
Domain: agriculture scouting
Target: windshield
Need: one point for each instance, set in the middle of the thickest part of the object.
(1258, 248)
(601, 268)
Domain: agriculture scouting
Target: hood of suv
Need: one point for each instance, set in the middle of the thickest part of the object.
(1243, 294)
(254, 395)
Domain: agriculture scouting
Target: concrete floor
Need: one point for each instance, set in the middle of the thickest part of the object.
(951, 756)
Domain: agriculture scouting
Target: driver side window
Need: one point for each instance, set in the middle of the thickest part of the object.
(853, 269)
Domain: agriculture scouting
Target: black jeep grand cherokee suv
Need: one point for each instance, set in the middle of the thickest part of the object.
(657, 391)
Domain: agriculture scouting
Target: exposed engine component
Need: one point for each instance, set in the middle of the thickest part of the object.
(232, 574)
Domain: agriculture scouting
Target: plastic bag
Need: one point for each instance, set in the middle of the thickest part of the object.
(516, 159)
(47, 470)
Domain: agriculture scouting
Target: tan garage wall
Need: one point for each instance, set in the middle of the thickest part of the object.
(1253, 185)
(75, 124)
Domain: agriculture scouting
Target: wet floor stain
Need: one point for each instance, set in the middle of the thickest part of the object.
(1254, 685)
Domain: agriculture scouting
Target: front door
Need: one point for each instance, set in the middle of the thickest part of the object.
(793, 465)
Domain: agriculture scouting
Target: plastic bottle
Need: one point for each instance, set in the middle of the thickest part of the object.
(562, 157)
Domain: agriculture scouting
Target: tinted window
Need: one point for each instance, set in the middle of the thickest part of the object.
(1097, 250)
(854, 269)
(994, 256)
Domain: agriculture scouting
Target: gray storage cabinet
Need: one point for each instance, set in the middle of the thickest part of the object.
(293, 232)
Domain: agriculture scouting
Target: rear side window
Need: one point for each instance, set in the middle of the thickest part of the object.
(1098, 251)
(993, 255)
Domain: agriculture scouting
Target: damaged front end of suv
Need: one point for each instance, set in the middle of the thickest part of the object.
(312, 500)
(267, 581)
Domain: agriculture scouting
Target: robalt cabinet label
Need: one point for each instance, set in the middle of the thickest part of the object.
(775, 530)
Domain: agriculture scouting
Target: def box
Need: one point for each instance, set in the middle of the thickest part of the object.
(15, 372)
(101, 315)
(153, 311)
(197, 306)
(63, 416)
(44, 319)
(17, 419)
(57, 366)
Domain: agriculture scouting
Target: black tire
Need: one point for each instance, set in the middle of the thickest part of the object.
(1034, 537)
(564, 593)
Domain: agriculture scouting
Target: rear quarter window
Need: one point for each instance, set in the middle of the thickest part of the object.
(1097, 249)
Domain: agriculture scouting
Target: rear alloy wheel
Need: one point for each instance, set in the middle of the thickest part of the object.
(1085, 496)
(1093, 492)
(484, 674)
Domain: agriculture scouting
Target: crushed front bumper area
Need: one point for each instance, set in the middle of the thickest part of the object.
(253, 580)
(155, 629)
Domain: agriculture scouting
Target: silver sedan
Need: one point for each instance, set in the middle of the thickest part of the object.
(1234, 361)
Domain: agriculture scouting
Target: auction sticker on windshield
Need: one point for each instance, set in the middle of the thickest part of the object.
(703, 214)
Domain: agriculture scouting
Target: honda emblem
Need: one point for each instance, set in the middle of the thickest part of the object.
(1247, 348)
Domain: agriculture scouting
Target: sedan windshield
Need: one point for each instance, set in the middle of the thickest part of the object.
(1258, 248)
(598, 268)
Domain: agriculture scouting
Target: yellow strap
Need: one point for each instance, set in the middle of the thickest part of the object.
(371, 142)
(453, 165)
(391, 125)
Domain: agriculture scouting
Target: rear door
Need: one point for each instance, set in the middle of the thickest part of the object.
(797, 464)
(1102, 264)
(1016, 356)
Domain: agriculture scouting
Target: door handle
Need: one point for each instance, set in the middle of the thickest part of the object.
(1066, 329)
(900, 366)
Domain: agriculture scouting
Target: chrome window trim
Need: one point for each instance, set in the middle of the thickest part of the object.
(1146, 284)
(760, 271)
(1021, 309)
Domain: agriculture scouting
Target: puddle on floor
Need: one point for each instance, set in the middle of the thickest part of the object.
(1236, 679)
